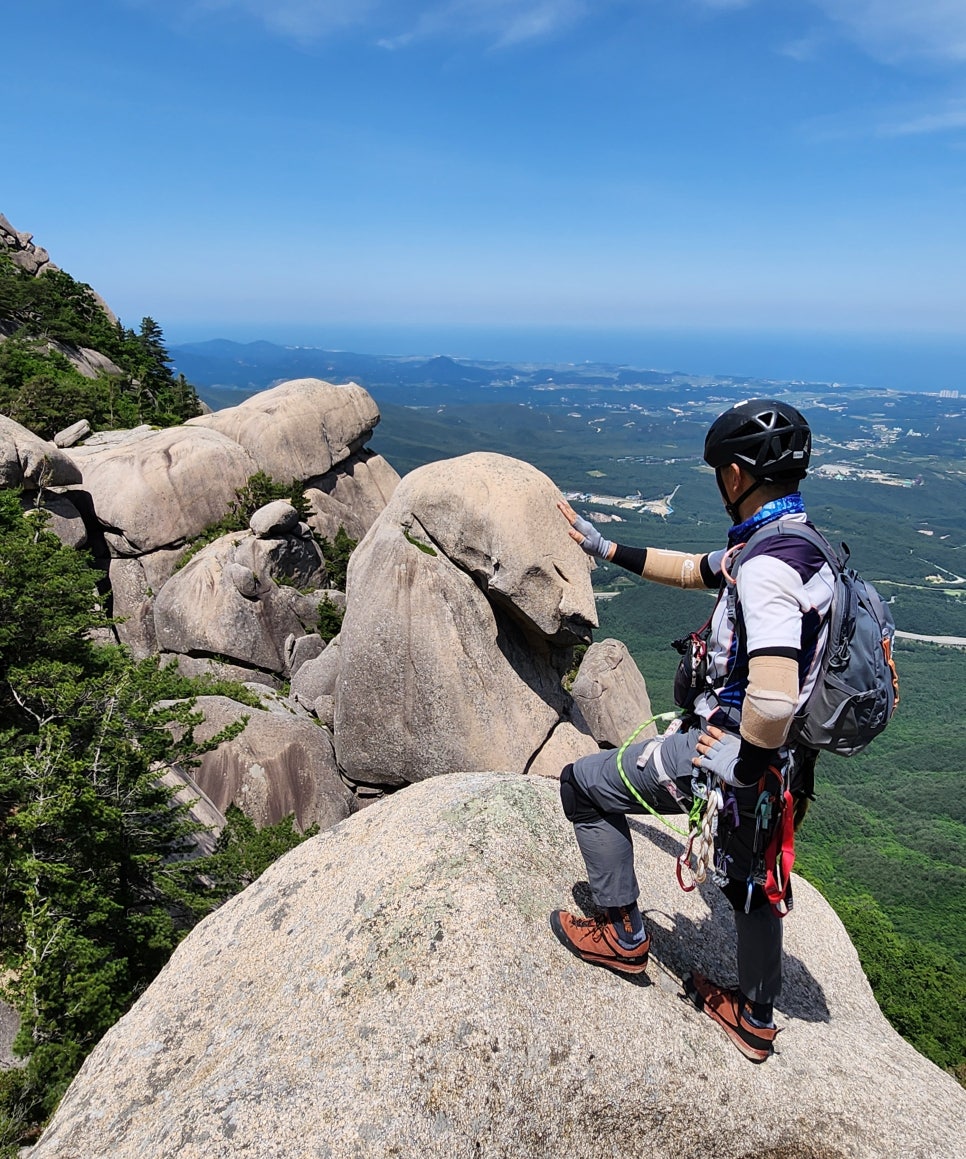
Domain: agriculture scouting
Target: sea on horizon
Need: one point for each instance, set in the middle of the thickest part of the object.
(910, 362)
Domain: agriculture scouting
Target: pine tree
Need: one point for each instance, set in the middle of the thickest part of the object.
(94, 890)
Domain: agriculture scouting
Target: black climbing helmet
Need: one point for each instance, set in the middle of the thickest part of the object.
(769, 439)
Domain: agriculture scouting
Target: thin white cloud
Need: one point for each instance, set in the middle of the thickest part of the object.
(944, 121)
(499, 22)
(395, 23)
(889, 30)
(807, 47)
(893, 30)
(943, 117)
(300, 20)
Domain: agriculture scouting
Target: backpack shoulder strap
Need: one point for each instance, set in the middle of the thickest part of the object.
(835, 559)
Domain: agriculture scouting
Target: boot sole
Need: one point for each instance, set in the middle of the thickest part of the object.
(609, 963)
(752, 1053)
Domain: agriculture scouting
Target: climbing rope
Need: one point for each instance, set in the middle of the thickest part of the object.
(662, 716)
(700, 846)
(702, 818)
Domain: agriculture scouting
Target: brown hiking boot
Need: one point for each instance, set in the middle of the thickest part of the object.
(594, 940)
(729, 1010)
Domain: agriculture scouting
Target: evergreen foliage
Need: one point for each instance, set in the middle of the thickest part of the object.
(39, 387)
(96, 885)
(258, 490)
(336, 552)
(244, 852)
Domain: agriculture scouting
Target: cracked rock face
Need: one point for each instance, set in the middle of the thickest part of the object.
(464, 601)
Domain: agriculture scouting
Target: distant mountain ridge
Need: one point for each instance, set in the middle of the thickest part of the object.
(253, 366)
(225, 371)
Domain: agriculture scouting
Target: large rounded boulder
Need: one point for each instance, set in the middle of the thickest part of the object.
(495, 518)
(162, 488)
(30, 462)
(299, 429)
(464, 601)
(391, 988)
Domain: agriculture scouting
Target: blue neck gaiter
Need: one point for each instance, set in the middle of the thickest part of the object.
(774, 509)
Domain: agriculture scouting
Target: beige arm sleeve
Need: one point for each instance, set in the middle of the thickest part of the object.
(770, 700)
(677, 568)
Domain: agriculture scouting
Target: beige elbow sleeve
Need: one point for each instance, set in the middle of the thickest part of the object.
(676, 568)
(770, 700)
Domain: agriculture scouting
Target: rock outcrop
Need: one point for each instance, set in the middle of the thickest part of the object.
(164, 488)
(465, 596)
(281, 763)
(351, 495)
(463, 603)
(241, 598)
(392, 988)
(30, 462)
(237, 609)
(611, 694)
(33, 259)
(300, 429)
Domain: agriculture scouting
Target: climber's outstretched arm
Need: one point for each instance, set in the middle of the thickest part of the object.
(677, 568)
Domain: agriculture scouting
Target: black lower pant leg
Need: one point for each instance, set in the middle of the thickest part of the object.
(759, 954)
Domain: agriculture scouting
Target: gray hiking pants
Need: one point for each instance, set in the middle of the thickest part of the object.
(597, 801)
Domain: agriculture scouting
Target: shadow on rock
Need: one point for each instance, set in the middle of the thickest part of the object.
(682, 942)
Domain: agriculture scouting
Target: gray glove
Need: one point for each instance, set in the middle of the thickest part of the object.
(593, 542)
(722, 757)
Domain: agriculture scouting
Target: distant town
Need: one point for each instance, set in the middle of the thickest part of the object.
(636, 502)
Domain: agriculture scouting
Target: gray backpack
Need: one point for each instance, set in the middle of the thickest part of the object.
(857, 687)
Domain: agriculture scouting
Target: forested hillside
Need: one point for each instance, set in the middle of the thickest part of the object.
(43, 320)
(95, 887)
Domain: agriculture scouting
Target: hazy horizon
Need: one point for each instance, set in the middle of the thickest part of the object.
(912, 362)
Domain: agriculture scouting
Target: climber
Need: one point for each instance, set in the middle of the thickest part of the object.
(762, 652)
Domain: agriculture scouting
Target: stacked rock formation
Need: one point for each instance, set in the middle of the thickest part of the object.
(464, 599)
(153, 492)
(20, 246)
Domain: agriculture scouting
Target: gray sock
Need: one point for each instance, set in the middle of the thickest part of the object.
(621, 917)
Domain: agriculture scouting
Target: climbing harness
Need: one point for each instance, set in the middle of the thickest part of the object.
(702, 816)
(774, 839)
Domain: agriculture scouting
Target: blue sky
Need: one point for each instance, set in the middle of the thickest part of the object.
(233, 166)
